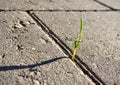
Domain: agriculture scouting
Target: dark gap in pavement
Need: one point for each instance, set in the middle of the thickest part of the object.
(67, 50)
(58, 10)
(105, 5)
(16, 67)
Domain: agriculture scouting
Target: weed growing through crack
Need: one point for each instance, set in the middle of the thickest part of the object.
(78, 41)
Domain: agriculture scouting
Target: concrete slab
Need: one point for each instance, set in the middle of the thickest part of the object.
(29, 57)
(112, 3)
(100, 49)
(50, 5)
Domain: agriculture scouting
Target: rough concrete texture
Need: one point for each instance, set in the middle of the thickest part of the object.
(29, 57)
(100, 48)
(50, 5)
(110, 3)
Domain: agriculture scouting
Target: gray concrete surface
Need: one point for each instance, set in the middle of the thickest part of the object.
(29, 57)
(100, 49)
(50, 5)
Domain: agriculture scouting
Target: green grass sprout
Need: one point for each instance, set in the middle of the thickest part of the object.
(78, 41)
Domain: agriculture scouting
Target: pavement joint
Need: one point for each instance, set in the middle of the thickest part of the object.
(79, 63)
(58, 10)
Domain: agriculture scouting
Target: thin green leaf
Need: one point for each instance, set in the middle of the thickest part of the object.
(77, 42)
(81, 28)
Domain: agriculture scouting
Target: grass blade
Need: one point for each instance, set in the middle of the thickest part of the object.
(77, 42)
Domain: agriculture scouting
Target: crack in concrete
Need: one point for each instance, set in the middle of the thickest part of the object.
(80, 64)
(58, 10)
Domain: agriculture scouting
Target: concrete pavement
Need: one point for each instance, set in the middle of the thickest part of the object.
(30, 57)
(50, 5)
(33, 55)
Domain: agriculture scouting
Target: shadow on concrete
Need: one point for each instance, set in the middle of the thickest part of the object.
(15, 67)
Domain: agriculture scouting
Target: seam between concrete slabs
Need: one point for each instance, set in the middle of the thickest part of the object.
(80, 64)
(58, 10)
